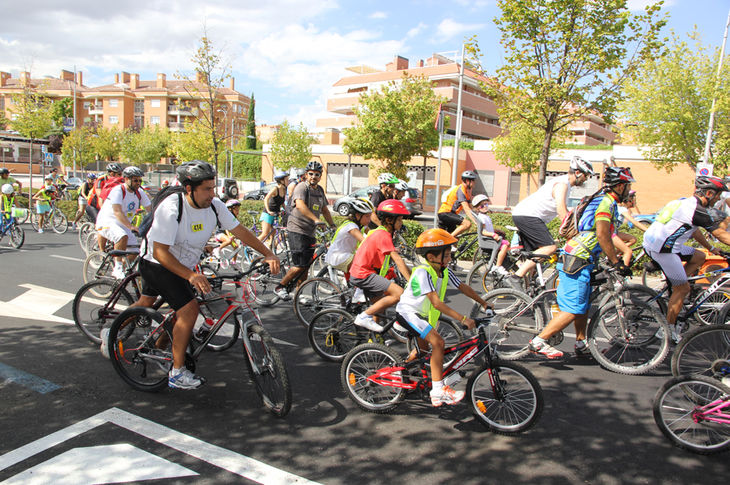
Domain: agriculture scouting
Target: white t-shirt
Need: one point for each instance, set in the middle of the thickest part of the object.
(343, 246)
(129, 201)
(187, 239)
(541, 204)
(413, 299)
(486, 222)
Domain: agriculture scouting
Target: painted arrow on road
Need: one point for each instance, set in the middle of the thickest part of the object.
(38, 303)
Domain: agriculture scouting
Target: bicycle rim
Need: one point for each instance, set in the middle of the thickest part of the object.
(332, 334)
(315, 295)
(92, 313)
(703, 351)
(96, 266)
(17, 236)
(270, 376)
(358, 366)
(59, 222)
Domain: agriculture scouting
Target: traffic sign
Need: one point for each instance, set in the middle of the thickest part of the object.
(704, 169)
(48, 157)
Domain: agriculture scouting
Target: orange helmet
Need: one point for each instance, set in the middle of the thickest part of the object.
(392, 207)
(434, 239)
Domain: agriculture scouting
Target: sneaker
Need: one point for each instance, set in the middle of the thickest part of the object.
(543, 348)
(366, 321)
(184, 379)
(358, 296)
(281, 292)
(118, 273)
(40, 231)
(445, 395)
(104, 335)
(500, 270)
(581, 349)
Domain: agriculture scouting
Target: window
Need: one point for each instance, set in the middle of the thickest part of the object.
(113, 103)
(155, 103)
(139, 106)
(485, 182)
(154, 120)
(87, 105)
(113, 120)
(514, 189)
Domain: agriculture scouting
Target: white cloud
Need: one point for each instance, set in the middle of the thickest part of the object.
(378, 15)
(416, 30)
(475, 4)
(635, 5)
(449, 28)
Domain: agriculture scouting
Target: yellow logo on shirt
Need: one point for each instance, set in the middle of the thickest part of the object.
(197, 226)
(315, 207)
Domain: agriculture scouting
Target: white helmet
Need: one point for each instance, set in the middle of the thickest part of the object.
(387, 178)
(578, 163)
(401, 185)
(363, 206)
(478, 199)
(8, 189)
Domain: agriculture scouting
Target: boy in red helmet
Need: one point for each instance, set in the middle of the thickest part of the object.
(371, 264)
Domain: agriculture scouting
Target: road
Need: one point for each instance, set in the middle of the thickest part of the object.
(67, 417)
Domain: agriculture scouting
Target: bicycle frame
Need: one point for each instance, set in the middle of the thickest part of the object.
(713, 411)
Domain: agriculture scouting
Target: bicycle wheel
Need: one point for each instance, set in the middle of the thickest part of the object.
(92, 243)
(95, 307)
(17, 236)
(709, 311)
(267, 370)
(452, 334)
(134, 340)
(84, 230)
(703, 351)
(265, 283)
(34, 220)
(313, 296)
(97, 265)
(633, 343)
(680, 413)
(630, 292)
(355, 376)
(509, 332)
(59, 222)
(507, 398)
(332, 333)
(476, 273)
(224, 338)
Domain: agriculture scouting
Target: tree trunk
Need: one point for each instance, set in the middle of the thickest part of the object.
(545, 153)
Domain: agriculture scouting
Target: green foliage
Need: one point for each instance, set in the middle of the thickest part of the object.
(78, 145)
(147, 145)
(566, 58)
(291, 146)
(251, 126)
(195, 143)
(33, 113)
(106, 143)
(668, 106)
(463, 144)
(246, 166)
(395, 123)
(519, 147)
(60, 110)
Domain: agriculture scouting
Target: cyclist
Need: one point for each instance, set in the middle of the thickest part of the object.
(308, 204)
(349, 235)
(679, 220)
(422, 303)
(84, 191)
(8, 201)
(115, 217)
(5, 178)
(480, 203)
(400, 189)
(225, 238)
(43, 203)
(172, 248)
(458, 202)
(596, 226)
(58, 179)
(300, 175)
(533, 213)
(273, 202)
(95, 200)
(387, 182)
(370, 269)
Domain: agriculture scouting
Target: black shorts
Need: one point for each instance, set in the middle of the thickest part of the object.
(450, 220)
(534, 233)
(160, 281)
(302, 249)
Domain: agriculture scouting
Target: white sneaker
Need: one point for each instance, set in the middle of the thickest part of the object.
(366, 321)
(358, 296)
(118, 273)
(445, 395)
(104, 335)
(282, 293)
(500, 270)
(40, 231)
(183, 379)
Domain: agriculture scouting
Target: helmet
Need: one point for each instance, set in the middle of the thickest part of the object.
(130, 172)
(709, 182)
(299, 172)
(194, 172)
(387, 178)
(632, 193)
(478, 199)
(280, 175)
(91, 176)
(314, 166)
(50, 188)
(8, 189)
(165, 183)
(468, 175)
(401, 185)
(48, 177)
(232, 203)
(392, 207)
(617, 175)
(578, 163)
(434, 239)
(114, 167)
(4, 171)
(362, 206)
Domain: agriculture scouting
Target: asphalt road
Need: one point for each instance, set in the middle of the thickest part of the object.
(68, 418)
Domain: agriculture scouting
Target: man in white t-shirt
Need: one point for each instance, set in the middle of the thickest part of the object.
(533, 213)
(172, 249)
(114, 221)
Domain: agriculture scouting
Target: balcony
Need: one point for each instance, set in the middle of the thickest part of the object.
(172, 126)
(96, 109)
(180, 110)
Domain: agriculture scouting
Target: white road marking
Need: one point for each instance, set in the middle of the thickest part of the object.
(228, 460)
(69, 258)
(38, 303)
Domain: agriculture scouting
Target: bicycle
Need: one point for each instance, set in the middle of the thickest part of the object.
(693, 412)
(11, 228)
(504, 396)
(703, 351)
(55, 219)
(140, 341)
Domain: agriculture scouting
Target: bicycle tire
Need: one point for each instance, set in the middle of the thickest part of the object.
(92, 243)
(648, 276)
(91, 313)
(332, 333)
(313, 296)
(225, 337)
(97, 265)
(513, 407)
(511, 336)
(264, 283)
(359, 364)
(17, 236)
(24, 219)
(34, 221)
(476, 273)
(132, 350)
(710, 309)
(702, 351)
(675, 409)
(452, 334)
(639, 349)
(632, 291)
(59, 222)
(272, 381)
(84, 230)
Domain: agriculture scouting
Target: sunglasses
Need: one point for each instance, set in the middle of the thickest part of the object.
(314, 174)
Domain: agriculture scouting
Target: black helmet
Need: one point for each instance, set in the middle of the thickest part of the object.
(468, 175)
(194, 172)
(710, 182)
(617, 175)
(130, 172)
(114, 167)
(314, 166)
(4, 171)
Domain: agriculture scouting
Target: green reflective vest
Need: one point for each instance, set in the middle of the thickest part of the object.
(427, 308)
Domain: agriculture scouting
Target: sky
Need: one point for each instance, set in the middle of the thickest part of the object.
(288, 53)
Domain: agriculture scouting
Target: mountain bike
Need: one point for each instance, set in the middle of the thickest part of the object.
(55, 219)
(703, 351)
(504, 396)
(11, 228)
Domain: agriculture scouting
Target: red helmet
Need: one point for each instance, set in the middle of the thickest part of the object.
(393, 207)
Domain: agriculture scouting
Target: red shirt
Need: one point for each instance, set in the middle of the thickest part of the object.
(371, 253)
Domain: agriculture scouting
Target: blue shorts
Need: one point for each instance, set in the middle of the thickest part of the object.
(42, 208)
(574, 290)
(267, 218)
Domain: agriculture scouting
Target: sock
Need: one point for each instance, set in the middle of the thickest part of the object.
(176, 371)
(538, 340)
(437, 385)
(581, 343)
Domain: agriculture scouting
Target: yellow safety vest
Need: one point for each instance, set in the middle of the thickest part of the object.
(427, 308)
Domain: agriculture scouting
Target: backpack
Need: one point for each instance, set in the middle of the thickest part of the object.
(109, 184)
(569, 227)
(447, 193)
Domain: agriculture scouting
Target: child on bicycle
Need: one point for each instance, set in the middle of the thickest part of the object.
(371, 264)
(349, 235)
(43, 203)
(225, 238)
(481, 205)
(422, 303)
(7, 201)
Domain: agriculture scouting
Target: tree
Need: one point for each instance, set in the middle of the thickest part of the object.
(566, 58)
(251, 126)
(107, 143)
(147, 145)
(195, 143)
(246, 166)
(290, 146)
(667, 106)
(78, 145)
(395, 123)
